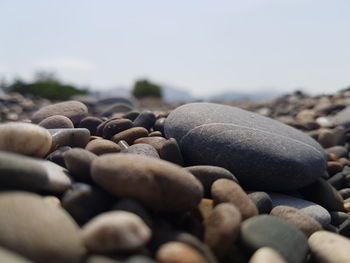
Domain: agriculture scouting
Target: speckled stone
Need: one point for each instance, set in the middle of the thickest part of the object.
(212, 134)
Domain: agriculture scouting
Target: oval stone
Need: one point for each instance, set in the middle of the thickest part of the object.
(56, 122)
(25, 138)
(159, 184)
(212, 134)
(266, 255)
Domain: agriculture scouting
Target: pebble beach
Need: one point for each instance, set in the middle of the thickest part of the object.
(116, 180)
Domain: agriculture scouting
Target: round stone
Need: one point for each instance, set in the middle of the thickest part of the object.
(208, 174)
(222, 228)
(115, 126)
(78, 137)
(159, 184)
(56, 122)
(102, 146)
(212, 134)
(271, 231)
(327, 247)
(78, 162)
(130, 135)
(177, 252)
(305, 223)
(266, 255)
(115, 231)
(225, 190)
(74, 110)
(262, 201)
(38, 230)
(90, 123)
(24, 138)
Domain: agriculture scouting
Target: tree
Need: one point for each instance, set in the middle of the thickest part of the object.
(144, 88)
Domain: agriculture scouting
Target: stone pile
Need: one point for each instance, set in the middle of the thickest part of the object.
(106, 182)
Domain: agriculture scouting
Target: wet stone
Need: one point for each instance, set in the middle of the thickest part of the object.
(102, 146)
(56, 122)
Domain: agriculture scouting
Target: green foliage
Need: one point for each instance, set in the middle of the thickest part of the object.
(144, 88)
(45, 86)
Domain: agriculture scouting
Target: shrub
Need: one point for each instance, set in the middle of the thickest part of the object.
(144, 88)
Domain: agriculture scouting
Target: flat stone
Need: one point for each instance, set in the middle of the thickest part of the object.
(327, 247)
(143, 149)
(225, 190)
(270, 231)
(222, 228)
(130, 135)
(24, 138)
(78, 162)
(90, 123)
(115, 126)
(115, 231)
(208, 174)
(154, 182)
(295, 217)
(177, 252)
(56, 122)
(32, 174)
(102, 146)
(38, 230)
(262, 201)
(266, 255)
(311, 209)
(74, 110)
(146, 119)
(211, 134)
(78, 137)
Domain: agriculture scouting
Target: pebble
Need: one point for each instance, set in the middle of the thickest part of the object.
(130, 135)
(38, 230)
(8, 256)
(32, 174)
(159, 125)
(142, 149)
(266, 255)
(339, 151)
(56, 122)
(57, 156)
(342, 117)
(225, 190)
(262, 201)
(156, 142)
(331, 137)
(146, 119)
(78, 162)
(313, 210)
(74, 110)
(208, 174)
(25, 138)
(327, 247)
(171, 152)
(212, 134)
(132, 115)
(78, 137)
(222, 228)
(270, 231)
(159, 184)
(90, 123)
(177, 252)
(102, 146)
(337, 218)
(305, 223)
(115, 231)
(115, 126)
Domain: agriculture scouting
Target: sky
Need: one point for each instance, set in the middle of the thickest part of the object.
(205, 47)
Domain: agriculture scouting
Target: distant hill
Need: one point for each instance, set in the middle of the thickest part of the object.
(255, 96)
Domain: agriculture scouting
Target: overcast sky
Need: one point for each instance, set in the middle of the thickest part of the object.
(203, 46)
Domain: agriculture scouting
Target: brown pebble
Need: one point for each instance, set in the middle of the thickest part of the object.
(206, 207)
(156, 142)
(130, 135)
(155, 134)
(334, 167)
(102, 146)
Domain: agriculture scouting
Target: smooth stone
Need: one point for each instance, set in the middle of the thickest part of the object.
(345, 193)
(327, 247)
(115, 126)
(143, 149)
(331, 137)
(74, 110)
(324, 194)
(342, 117)
(115, 231)
(177, 252)
(313, 210)
(222, 228)
(159, 125)
(271, 231)
(90, 123)
(139, 259)
(78, 162)
(171, 152)
(102, 146)
(57, 156)
(24, 138)
(262, 201)
(337, 218)
(130, 135)
(56, 122)
(156, 142)
(225, 190)
(334, 167)
(146, 119)
(78, 137)
(26, 173)
(83, 202)
(132, 115)
(295, 217)
(338, 181)
(154, 182)
(8, 256)
(116, 108)
(208, 174)
(206, 207)
(155, 134)
(212, 134)
(266, 255)
(339, 151)
(38, 230)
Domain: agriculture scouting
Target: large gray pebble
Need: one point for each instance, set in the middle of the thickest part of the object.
(56, 122)
(212, 134)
